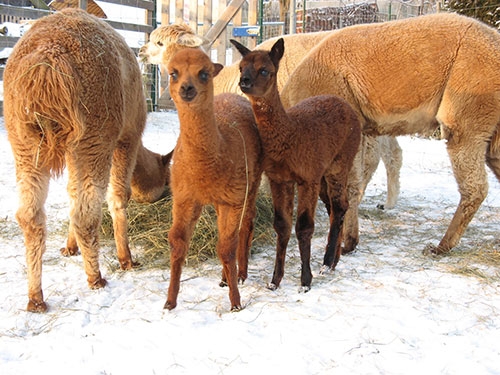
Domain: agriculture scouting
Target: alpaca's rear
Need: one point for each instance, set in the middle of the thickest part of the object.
(73, 96)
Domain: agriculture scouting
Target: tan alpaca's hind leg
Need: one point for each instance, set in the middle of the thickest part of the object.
(124, 157)
(371, 157)
(185, 215)
(392, 157)
(86, 207)
(351, 225)
(71, 248)
(468, 162)
(33, 188)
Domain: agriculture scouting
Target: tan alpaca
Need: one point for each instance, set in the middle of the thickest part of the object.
(312, 145)
(168, 39)
(435, 70)
(217, 160)
(73, 97)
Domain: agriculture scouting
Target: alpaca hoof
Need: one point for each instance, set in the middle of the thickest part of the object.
(325, 269)
(126, 265)
(241, 279)
(68, 252)
(236, 308)
(304, 288)
(272, 286)
(98, 284)
(169, 305)
(223, 283)
(36, 307)
(432, 250)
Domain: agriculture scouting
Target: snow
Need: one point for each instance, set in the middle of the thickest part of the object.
(387, 308)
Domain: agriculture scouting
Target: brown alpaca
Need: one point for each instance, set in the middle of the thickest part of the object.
(310, 144)
(151, 176)
(217, 160)
(149, 184)
(444, 71)
(73, 97)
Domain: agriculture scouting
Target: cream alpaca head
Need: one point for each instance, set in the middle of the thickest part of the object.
(165, 41)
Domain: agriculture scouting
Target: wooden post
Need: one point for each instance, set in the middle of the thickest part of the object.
(237, 21)
(207, 16)
(82, 4)
(252, 21)
(165, 12)
(224, 18)
(179, 11)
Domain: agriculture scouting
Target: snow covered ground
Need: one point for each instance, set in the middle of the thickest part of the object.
(387, 309)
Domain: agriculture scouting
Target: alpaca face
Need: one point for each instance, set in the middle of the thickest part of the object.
(191, 76)
(258, 69)
(165, 41)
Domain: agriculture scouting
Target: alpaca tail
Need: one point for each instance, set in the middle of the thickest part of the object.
(44, 100)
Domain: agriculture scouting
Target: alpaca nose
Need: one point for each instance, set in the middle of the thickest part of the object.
(245, 83)
(188, 92)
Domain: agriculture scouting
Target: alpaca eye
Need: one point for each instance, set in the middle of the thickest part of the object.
(160, 44)
(203, 76)
(174, 76)
(264, 73)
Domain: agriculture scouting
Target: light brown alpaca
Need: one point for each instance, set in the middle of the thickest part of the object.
(311, 144)
(167, 39)
(444, 71)
(217, 160)
(73, 97)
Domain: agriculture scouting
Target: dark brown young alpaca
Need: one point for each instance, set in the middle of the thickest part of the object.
(311, 143)
(217, 160)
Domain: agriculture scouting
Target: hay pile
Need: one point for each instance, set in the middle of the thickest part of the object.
(149, 224)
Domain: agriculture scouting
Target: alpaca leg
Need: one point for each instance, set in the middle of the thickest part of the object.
(351, 225)
(228, 219)
(246, 234)
(493, 162)
(185, 215)
(371, 149)
(86, 209)
(283, 199)
(337, 189)
(33, 188)
(323, 195)
(392, 157)
(304, 229)
(467, 159)
(124, 157)
(71, 244)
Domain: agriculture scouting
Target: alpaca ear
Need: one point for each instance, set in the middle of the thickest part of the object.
(190, 40)
(240, 47)
(217, 68)
(165, 159)
(277, 51)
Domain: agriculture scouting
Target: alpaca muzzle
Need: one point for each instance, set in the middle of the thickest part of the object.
(188, 92)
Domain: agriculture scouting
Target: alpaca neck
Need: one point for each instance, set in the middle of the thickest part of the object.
(198, 131)
(275, 128)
